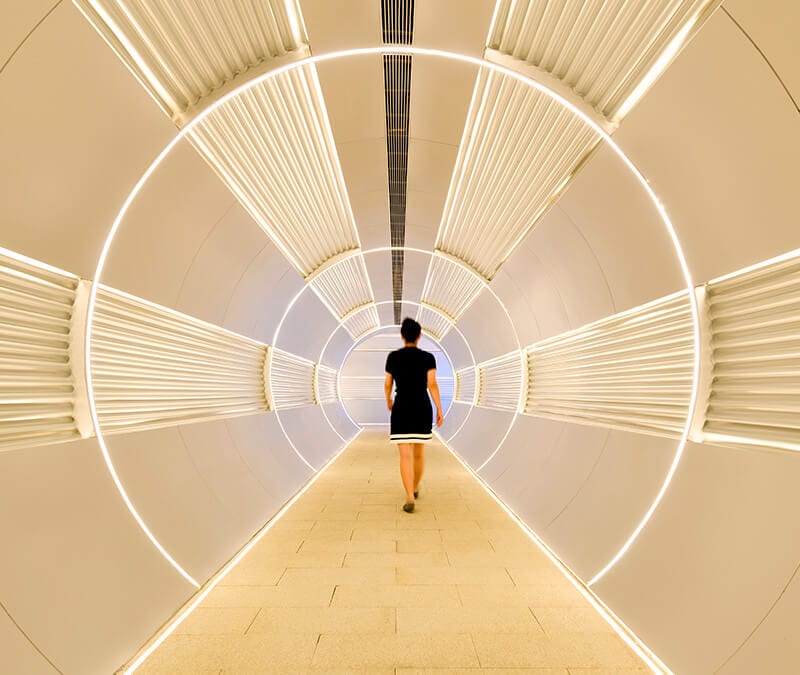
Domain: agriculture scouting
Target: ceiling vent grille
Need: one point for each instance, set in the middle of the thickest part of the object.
(501, 382)
(154, 367)
(183, 50)
(631, 371)
(291, 380)
(755, 391)
(397, 18)
(36, 390)
(607, 51)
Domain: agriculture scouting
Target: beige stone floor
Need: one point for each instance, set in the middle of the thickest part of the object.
(346, 582)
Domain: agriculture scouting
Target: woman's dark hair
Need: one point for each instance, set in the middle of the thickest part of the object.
(410, 330)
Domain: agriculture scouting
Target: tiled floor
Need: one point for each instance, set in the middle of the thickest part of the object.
(347, 582)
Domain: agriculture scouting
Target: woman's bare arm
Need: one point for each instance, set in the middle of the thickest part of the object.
(387, 389)
(433, 387)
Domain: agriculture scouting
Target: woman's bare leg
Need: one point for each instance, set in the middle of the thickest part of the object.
(407, 469)
(419, 463)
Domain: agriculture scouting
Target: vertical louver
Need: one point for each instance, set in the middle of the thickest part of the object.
(755, 391)
(291, 380)
(450, 286)
(603, 49)
(632, 371)
(433, 322)
(466, 385)
(154, 367)
(501, 382)
(345, 288)
(36, 388)
(326, 384)
(183, 50)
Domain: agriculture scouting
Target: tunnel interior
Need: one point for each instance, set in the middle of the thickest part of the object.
(214, 218)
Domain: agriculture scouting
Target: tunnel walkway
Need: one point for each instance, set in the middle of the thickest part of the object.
(346, 582)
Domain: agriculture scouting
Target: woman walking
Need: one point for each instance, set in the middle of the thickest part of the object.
(413, 372)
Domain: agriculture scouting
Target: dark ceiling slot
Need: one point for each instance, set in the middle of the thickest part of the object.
(397, 18)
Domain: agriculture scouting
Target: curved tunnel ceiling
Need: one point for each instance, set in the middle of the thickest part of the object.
(525, 301)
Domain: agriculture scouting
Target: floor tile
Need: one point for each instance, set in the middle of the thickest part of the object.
(348, 583)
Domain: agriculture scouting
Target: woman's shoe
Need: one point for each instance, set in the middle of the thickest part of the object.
(416, 494)
(408, 508)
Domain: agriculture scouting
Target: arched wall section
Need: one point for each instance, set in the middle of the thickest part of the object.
(717, 136)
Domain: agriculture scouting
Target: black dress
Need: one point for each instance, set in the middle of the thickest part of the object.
(412, 413)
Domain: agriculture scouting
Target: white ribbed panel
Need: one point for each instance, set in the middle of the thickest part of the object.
(446, 387)
(154, 367)
(500, 382)
(433, 322)
(273, 147)
(755, 391)
(344, 286)
(183, 50)
(602, 49)
(465, 387)
(361, 321)
(450, 287)
(36, 388)
(518, 152)
(630, 371)
(291, 380)
(366, 387)
(327, 388)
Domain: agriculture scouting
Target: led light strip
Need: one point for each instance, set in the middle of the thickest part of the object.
(367, 51)
(209, 586)
(628, 636)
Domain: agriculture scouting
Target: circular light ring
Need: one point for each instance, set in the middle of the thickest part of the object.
(370, 333)
(401, 50)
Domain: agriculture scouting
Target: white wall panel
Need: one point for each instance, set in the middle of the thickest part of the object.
(307, 327)
(166, 227)
(631, 245)
(73, 557)
(368, 412)
(344, 25)
(455, 417)
(311, 434)
(379, 266)
(727, 529)
(217, 268)
(759, 21)
(106, 132)
(261, 295)
(481, 435)
(546, 463)
(18, 654)
(707, 138)
(339, 420)
(263, 447)
(457, 349)
(609, 505)
(558, 250)
(539, 289)
(467, 23)
(18, 24)
(772, 645)
(487, 328)
(182, 480)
